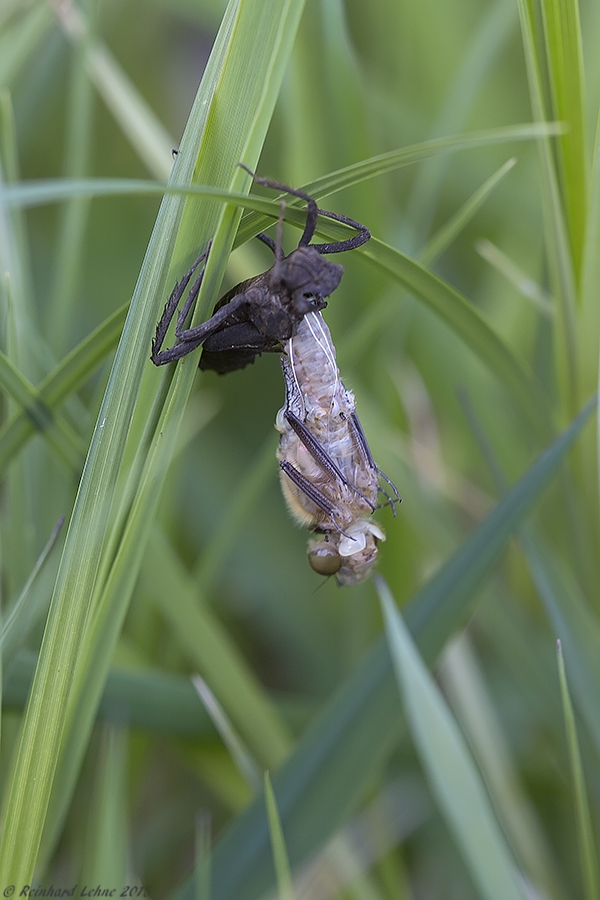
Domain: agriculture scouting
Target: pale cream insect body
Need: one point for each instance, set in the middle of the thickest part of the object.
(328, 476)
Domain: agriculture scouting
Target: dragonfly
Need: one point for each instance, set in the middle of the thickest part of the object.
(261, 314)
(328, 476)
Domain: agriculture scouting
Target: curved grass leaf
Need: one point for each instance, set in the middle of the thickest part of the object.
(39, 193)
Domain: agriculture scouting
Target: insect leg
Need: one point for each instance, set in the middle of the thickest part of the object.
(313, 493)
(352, 243)
(161, 357)
(319, 454)
(199, 333)
(361, 440)
(312, 212)
(268, 240)
(191, 338)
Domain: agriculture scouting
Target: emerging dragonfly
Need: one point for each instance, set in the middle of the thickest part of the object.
(328, 476)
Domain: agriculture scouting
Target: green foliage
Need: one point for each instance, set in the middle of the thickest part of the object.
(179, 558)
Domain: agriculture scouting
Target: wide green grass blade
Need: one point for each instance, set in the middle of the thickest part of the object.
(587, 845)
(331, 767)
(250, 104)
(146, 699)
(105, 858)
(450, 768)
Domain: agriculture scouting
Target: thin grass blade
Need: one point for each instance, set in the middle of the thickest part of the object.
(444, 237)
(587, 843)
(22, 617)
(283, 874)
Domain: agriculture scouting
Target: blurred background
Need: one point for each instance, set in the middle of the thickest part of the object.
(364, 79)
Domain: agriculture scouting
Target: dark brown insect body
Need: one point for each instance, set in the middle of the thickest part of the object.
(258, 315)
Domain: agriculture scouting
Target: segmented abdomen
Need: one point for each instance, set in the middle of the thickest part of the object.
(317, 397)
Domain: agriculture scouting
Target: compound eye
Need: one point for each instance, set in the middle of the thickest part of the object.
(323, 558)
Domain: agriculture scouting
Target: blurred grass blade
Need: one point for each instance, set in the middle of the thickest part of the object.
(65, 653)
(22, 39)
(202, 856)
(558, 254)
(147, 699)
(62, 301)
(283, 874)
(470, 325)
(564, 58)
(207, 645)
(448, 233)
(589, 319)
(41, 192)
(387, 162)
(68, 376)
(464, 683)
(525, 285)
(147, 135)
(238, 752)
(573, 621)
(587, 844)
(105, 852)
(214, 553)
(463, 91)
(57, 431)
(22, 617)
(360, 725)
(450, 769)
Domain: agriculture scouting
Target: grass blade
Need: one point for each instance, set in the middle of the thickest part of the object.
(63, 648)
(450, 768)
(283, 874)
(587, 844)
